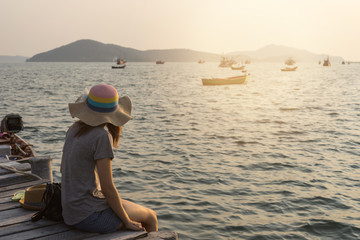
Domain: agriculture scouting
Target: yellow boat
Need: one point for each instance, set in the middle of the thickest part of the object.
(224, 81)
(289, 69)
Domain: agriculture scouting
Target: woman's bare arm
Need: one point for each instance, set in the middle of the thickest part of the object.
(111, 194)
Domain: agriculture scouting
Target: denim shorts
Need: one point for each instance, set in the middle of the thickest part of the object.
(105, 221)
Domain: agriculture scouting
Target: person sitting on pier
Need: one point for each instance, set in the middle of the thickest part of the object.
(90, 200)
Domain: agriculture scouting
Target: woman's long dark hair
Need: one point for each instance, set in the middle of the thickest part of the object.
(115, 131)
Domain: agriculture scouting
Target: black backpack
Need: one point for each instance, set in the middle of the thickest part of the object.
(52, 209)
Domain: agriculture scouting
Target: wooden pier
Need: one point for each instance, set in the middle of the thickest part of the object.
(15, 221)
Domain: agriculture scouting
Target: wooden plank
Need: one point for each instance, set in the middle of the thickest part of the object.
(10, 163)
(161, 235)
(9, 205)
(23, 185)
(9, 194)
(17, 166)
(23, 167)
(5, 199)
(15, 178)
(38, 232)
(72, 234)
(120, 235)
(4, 171)
(42, 229)
(15, 221)
(20, 227)
(13, 216)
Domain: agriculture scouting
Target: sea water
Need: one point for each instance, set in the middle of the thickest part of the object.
(276, 158)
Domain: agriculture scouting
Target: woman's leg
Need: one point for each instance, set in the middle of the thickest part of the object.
(142, 214)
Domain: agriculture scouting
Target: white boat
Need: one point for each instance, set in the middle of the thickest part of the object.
(289, 65)
(120, 63)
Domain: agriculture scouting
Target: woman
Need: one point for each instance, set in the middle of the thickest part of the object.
(89, 197)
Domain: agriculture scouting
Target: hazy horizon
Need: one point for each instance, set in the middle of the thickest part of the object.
(30, 27)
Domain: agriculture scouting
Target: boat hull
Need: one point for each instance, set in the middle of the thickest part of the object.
(289, 69)
(120, 66)
(225, 81)
(238, 68)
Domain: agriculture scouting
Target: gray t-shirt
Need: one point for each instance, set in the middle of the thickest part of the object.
(80, 188)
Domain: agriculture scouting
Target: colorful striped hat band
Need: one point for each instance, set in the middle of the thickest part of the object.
(103, 98)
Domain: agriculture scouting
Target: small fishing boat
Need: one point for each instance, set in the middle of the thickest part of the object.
(289, 69)
(160, 62)
(12, 146)
(289, 65)
(120, 63)
(327, 62)
(226, 62)
(225, 81)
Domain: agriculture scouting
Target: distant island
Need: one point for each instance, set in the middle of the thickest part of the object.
(87, 50)
(12, 59)
(93, 51)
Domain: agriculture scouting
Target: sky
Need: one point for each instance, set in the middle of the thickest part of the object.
(29, 27)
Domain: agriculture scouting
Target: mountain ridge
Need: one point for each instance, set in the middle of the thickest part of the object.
(12, 59)
(87, 50)
(276, 53)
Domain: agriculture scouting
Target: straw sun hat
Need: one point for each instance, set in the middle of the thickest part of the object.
(32, 197)
(102, 105)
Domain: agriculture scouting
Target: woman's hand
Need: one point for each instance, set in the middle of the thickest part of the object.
(135, 226)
